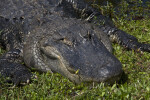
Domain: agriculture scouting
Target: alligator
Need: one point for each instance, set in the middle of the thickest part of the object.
(60, 36)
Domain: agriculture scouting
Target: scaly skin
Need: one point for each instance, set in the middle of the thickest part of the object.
(48, 35)
(115, 35)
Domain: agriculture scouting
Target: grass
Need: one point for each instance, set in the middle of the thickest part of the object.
(135, 64)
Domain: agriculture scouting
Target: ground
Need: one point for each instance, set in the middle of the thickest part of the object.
(135, 64)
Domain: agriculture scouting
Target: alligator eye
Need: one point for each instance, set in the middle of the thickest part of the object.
(14, 18)
(66, 41)
(51, 52)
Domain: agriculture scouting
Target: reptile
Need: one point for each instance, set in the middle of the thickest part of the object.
(60, 36)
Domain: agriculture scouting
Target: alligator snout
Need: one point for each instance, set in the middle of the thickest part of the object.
(92, 62)
(82, 60)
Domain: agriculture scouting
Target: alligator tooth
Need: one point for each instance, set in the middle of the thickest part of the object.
(28, 81)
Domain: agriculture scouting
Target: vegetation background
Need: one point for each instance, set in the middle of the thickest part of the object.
(132, 16)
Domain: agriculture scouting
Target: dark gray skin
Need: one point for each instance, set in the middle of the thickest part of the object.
(47, 35)
(106, 25)
(68, 46)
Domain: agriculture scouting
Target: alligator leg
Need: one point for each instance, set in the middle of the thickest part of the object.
(11, 61)
(116, 35)
(10, 67)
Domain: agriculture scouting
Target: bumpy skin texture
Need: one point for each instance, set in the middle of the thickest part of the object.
(115, 35)
(69, 45)
(48, 35)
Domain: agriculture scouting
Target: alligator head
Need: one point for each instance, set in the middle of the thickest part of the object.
(74, 49)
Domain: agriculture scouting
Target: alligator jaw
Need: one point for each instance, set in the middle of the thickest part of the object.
(87, 61)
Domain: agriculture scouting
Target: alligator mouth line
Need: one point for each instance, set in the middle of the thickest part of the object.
(62, 67)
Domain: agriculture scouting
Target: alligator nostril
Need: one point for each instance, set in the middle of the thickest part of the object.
(14, 18)
(71, 70)
(22, 18)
